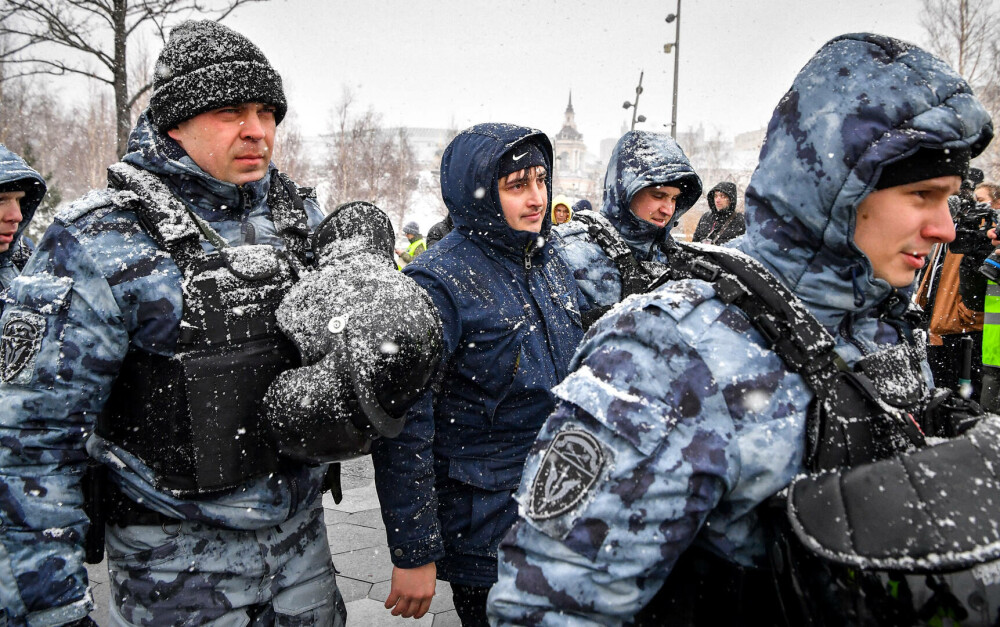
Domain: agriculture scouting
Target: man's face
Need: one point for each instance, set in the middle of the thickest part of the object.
(232, 144)
(10, 217)
(897, 226)
(655, 204)
(561, 214)
(524, 198)
(721, 201)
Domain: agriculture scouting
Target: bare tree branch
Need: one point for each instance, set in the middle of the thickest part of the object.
(139, 93)
(965, 33)
(53, 68)
(43, 35)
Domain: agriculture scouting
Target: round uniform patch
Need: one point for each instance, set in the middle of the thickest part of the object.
(571, 466)
(19, 343)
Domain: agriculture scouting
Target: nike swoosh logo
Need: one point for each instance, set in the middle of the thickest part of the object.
(518, 157)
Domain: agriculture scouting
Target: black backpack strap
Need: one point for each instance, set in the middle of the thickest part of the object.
(774, 310)
(807, 348)
(287, 204)
(635, 280)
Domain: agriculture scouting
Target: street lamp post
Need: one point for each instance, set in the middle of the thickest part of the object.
(675, 17)
(635, 105)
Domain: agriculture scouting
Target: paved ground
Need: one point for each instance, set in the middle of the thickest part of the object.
(360, 554)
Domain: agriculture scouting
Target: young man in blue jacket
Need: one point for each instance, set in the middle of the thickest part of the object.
(680, 419)
(510, 313)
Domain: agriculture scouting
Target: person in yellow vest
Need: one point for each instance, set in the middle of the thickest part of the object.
(417, 244)
(990, 397)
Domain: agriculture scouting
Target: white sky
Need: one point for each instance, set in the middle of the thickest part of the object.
(442, 62)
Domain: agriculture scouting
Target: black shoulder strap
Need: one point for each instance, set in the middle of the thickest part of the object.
(805, 346)
(714, 235)
(286, 201)
(635, 280)
(774, 310)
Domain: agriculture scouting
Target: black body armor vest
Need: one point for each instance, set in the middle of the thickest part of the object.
(195, 417)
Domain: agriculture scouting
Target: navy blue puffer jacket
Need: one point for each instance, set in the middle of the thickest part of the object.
(510, 314)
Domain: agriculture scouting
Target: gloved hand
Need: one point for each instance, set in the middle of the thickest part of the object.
(369, 337)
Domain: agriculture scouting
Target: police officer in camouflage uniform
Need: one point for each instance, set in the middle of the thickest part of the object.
(21, 191)
(140, 339)
(645, 170)
(679, 420)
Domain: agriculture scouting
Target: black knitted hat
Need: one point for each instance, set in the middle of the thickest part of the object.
(205, 66)
(925, 163)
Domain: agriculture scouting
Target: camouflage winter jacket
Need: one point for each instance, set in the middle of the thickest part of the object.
(678, 420)
(640, 159)
(13, 169)
(97, 285)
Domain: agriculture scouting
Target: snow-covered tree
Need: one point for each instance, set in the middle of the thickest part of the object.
(90, 38)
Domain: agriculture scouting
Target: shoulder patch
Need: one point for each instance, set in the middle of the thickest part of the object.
(20, 342)
(571, 465)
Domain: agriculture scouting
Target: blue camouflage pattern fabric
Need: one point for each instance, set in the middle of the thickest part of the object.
(237, 571)
(13, 169)
(640, 159)
(681, 417)
(510, 316)
(96, 285)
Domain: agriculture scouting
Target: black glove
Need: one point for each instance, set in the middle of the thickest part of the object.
(948, 415)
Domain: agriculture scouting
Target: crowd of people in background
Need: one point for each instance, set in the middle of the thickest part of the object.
(607, 421)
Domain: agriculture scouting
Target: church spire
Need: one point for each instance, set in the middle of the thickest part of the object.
(570, 116)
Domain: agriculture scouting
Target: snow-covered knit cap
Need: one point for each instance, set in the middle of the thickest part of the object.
(411, 228)
(205, 66)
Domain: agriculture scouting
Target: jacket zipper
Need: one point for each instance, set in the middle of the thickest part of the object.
(245, 226)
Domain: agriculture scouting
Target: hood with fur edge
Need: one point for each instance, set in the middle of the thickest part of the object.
(861, 102)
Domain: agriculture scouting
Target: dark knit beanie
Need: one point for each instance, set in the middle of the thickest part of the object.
(205, 66)
(925, 163)
(526, 154)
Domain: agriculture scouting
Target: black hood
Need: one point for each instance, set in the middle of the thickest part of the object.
(729, 190)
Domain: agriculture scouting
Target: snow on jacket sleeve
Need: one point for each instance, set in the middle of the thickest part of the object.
(404, 465)
(71, 342)
(595, 273)
(664, 435)
(685, 423)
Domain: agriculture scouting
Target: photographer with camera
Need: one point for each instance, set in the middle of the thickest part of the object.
(951, 320)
